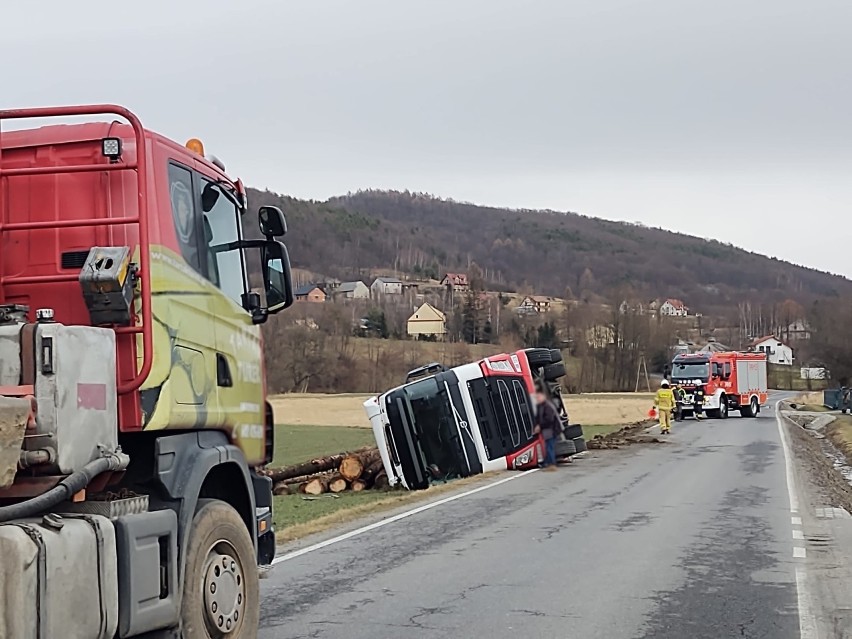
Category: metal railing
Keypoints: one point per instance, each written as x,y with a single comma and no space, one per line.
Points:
140,166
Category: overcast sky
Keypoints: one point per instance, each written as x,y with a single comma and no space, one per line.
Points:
728,119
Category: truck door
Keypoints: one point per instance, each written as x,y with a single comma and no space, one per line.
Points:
180,392
237,348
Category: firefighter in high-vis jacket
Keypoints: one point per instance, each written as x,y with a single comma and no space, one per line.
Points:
665,403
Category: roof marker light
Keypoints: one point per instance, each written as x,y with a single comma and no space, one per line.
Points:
195,145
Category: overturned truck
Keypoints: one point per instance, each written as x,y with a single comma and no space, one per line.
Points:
469,419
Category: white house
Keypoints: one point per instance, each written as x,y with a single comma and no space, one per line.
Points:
353,290
674,307
777,352
427,320
534,304
386,286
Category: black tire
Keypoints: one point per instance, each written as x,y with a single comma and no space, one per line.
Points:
554,371
538,357
219,553
573,431
751,410
555,356
565,448
580,445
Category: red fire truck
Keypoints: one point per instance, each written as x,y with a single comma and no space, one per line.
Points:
731,381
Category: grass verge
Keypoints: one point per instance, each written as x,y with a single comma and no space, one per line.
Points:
812,408
297,517
839,432
298,443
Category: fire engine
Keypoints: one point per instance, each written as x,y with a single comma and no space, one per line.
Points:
731,380
133,412
469,419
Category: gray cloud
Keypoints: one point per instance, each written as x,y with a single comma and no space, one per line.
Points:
727,119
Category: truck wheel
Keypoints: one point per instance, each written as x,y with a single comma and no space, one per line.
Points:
221,594
723,407
565,448
554,371
555,356
750,410
573,431
538,357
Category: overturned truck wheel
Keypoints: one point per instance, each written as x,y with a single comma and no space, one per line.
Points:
538,357
220,582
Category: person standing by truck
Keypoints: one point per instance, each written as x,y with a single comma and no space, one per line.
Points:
679,395
548,424
698,402
664,401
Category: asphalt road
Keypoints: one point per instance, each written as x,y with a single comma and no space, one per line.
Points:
685,540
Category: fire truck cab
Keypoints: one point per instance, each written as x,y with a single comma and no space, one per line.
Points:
731,381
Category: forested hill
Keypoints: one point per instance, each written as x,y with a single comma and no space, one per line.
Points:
542,251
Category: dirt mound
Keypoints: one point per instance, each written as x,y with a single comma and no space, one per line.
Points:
631,434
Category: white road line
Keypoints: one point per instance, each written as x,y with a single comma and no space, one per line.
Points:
395,518
807,621
788,461
798,534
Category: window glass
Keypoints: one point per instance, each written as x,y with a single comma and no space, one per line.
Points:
509,412
183,212
221,227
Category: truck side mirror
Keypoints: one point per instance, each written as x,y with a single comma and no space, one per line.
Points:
272,222
277,280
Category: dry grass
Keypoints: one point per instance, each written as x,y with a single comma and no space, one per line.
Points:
317,409
840,434
347,410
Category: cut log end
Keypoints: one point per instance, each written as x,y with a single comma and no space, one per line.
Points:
337,485
351,468
358,485
315,486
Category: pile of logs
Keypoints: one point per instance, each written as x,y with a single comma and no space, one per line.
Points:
356,470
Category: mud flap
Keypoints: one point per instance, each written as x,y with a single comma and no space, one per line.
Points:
14,414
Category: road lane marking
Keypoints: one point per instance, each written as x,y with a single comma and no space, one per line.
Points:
798,534
788,461
395,518
807,620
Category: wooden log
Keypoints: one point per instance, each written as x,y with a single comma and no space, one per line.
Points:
371,471
316,486
285,489
337,484
381,482
329,462
358,485
351,467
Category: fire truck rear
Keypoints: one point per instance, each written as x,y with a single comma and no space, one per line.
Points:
731,381
132,392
